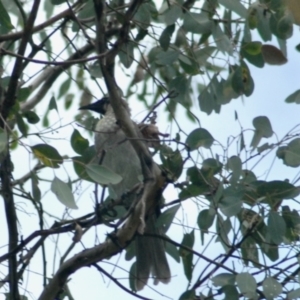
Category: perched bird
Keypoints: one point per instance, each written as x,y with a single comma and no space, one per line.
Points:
116,153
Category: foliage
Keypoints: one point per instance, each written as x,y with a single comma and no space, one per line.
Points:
57,55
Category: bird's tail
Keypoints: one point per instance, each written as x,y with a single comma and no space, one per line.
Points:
151,257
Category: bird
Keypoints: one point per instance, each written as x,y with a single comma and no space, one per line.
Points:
116,153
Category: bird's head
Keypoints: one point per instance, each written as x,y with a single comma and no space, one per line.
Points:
99,106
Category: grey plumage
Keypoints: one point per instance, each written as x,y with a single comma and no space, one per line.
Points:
122,159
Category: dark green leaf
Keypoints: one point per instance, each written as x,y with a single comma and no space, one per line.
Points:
172,162
63,193
23,94
166,36
188,295
31,117
199,137
78,142
21,125
205,219
52,104
126,54
5,18
230,292
295,97
48,155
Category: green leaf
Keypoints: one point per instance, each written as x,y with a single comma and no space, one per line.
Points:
172,14
197,23
78,142
172,250
172,162
276,227
36,192
263,124
295,294
21,125
230,206
205,219
206,101
5,18
223,279
292,153
235,164
247,285
166,36
167,57
188,295
47,155
166,218
64,88
271,288
143,16
230,292
102,175
23,94
31,117
187,256
263,21
236,6
222,40
277,189
281,24
252,48
63,193
242,82
52,104
57,2
126,54
199,137
180,86
202,55
3,140
263,128
295,97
